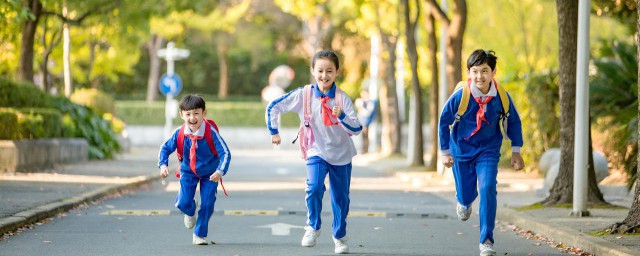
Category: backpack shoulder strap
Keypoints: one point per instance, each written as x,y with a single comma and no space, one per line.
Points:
503,98
464,102
306,102
208,135
180,143
338,98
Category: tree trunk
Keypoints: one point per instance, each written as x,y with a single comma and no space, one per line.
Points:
594,196
562,190
454,42
434,97
632,222
48,48
154,66
223,83
25,71
415,113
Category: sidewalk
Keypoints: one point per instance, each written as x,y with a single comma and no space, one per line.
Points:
26,198
516,189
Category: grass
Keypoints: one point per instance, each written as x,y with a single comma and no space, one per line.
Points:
538,206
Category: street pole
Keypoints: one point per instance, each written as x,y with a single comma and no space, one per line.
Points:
581,150
373,89
442,74
171,54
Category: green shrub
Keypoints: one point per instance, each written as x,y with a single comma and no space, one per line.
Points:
69,129
9,128
249,114
95,99
37,123
22,95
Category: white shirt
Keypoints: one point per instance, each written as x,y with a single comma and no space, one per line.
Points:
332,143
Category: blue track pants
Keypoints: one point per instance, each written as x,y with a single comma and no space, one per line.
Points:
478,176
186,203
339,181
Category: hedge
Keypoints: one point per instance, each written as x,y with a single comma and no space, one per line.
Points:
224,113
30,123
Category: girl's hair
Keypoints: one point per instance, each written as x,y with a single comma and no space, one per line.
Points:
191,102
326,54
480,56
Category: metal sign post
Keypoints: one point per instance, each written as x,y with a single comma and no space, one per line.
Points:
171,84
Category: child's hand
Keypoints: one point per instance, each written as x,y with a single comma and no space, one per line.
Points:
447,160
215,177
275,139
516,161
164,171
337,111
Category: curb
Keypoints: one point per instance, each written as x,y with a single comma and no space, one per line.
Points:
592,244
36,214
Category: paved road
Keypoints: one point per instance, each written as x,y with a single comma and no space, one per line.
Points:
264,215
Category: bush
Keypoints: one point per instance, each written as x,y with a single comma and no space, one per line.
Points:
36,123
95,99
22,95
249,114
9,128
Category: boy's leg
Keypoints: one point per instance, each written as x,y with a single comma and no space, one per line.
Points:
184,199
316,172
208,190
340,182
487,181
465,178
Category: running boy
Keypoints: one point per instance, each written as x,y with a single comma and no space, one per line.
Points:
473,144
201,163
330,119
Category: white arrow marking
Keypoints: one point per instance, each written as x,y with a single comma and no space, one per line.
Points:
280,229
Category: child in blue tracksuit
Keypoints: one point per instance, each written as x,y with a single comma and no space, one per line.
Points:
199,165
330,151
472,146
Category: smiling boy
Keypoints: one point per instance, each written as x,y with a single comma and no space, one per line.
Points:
472,144
202,163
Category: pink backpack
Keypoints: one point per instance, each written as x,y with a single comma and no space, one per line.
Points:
306,133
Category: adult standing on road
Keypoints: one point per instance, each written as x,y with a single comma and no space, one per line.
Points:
328,119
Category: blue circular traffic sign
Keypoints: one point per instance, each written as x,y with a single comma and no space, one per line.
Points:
170,84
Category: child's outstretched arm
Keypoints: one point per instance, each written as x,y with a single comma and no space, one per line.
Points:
514,132
291,101
347,116
166,150
223,154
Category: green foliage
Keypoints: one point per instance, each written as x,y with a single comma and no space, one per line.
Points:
9,128
224,113
614,101
539,116
89,125
38,115
36,123
95,99
21,94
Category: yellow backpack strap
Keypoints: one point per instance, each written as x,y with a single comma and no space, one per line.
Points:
505,100
464,102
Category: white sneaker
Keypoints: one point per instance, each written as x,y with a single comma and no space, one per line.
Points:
310,236
463,212
341,245
486,248
199,240
189,221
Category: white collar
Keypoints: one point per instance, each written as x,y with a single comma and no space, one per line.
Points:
477,93
199,132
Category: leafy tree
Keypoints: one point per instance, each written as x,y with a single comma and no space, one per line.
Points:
415,118
455,24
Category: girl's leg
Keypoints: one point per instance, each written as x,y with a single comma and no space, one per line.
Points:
184,199
316,172
487,181
208,190
340,182
465,177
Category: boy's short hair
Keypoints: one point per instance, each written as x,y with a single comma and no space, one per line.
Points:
480,56
191,102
